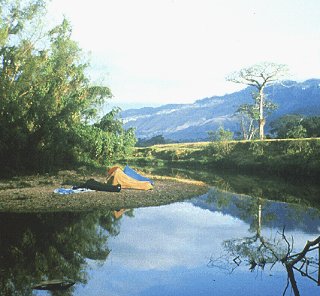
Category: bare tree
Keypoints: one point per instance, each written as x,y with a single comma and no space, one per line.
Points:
259,76
247,116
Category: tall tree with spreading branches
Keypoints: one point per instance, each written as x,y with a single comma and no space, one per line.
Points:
259,76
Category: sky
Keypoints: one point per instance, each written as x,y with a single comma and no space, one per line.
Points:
155,52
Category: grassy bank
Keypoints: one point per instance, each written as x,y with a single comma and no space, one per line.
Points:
296,157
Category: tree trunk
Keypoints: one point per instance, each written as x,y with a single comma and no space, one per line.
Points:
262,121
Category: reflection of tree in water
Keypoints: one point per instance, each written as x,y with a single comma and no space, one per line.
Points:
306,262
36,247
258,251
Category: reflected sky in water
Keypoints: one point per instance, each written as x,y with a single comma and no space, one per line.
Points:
166,250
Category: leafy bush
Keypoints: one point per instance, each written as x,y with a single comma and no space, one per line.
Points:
47,101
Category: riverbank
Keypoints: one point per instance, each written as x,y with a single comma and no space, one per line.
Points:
278,157
36,193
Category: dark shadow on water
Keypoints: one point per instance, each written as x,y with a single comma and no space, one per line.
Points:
52,246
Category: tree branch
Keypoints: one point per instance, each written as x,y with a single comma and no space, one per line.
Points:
306,249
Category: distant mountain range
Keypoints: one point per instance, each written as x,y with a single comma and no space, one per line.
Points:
191,122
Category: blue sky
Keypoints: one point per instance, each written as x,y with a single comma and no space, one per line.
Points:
154,52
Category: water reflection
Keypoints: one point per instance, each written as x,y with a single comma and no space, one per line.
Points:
254,246
258,251
274,214
37,247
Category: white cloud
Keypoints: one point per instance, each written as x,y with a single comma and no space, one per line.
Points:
186,236
169,245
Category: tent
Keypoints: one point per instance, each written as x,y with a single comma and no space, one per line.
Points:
117,177
133,174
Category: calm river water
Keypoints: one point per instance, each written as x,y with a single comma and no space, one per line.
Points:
221,243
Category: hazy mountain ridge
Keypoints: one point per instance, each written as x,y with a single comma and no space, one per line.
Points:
193,121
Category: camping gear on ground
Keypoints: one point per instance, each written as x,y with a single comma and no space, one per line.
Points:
117,176
99,186
135,175
54,285
71,190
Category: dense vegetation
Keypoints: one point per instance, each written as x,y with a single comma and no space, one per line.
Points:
296,157
296,126
156,140
47,103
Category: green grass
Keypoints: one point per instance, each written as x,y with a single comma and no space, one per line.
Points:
276,156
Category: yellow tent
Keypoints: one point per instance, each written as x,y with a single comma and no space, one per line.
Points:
117,176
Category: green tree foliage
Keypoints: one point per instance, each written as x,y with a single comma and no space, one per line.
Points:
296,126
297,132
221,135
46,100
312,125
282,125
156,140
116,142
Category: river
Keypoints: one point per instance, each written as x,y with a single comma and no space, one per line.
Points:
222,243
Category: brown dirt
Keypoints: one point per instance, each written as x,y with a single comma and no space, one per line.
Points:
35,194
